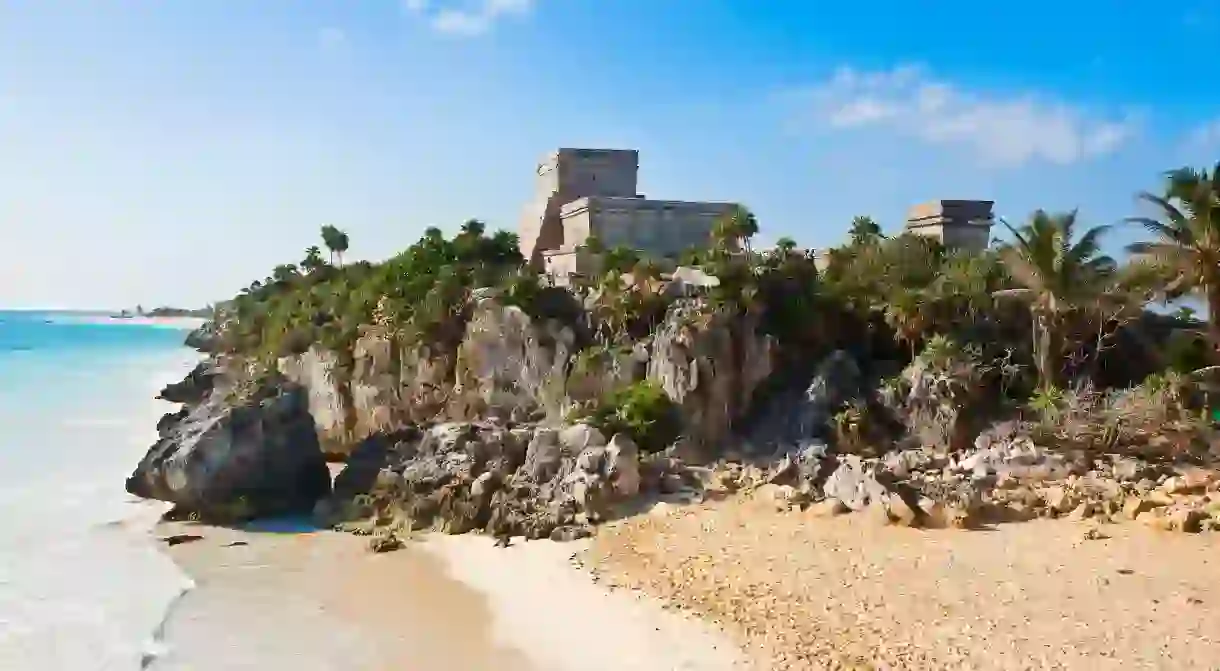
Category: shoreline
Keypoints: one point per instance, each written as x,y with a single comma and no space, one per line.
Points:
318,599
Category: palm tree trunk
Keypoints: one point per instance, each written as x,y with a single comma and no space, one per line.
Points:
1045,352
1213,319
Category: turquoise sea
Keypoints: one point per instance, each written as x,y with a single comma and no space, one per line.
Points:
81,585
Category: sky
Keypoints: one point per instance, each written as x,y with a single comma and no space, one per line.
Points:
168,151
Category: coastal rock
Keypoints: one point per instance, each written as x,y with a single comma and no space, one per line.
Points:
709,363
374,385
233,459
457,477
802,414
317,372
205,339
854,484
193,388
623,465
506,364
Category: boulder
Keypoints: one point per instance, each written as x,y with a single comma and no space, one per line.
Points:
193,388
622,465
854,484
205,339
230,459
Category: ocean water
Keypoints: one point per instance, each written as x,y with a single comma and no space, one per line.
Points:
82,586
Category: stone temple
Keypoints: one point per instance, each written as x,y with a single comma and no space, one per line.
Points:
956,224
592,192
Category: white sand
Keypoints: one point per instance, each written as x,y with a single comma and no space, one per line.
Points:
563,620
320,601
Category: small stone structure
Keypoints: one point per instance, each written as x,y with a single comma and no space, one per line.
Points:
592,192
956,224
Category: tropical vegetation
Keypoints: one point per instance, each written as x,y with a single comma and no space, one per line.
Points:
1043,312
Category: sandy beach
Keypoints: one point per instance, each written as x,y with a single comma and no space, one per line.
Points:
845,593
280,598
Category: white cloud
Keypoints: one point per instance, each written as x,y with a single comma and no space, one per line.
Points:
476,17
1002,130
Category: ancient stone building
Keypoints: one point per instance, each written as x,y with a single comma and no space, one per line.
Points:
957,224
592,192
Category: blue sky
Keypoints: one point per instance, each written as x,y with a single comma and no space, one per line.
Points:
170,151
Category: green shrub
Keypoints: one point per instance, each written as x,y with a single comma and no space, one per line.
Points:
643,411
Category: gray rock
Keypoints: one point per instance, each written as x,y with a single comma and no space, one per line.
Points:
622,465
802,415
227,459
543,455
577,437
854,484
709,362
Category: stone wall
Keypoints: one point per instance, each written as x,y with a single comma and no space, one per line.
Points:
654,227
957,224
567,175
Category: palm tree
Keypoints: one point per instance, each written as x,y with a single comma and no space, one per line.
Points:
864,231
474,228
1187,248
312,260
1059,274
336,241
734,229
284,273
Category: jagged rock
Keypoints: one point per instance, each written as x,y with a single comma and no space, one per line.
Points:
902,463
1060,499
385,543
205,339
709,363
543,456
317,371
194,388
853,484
578,437
1129,469
801,415
230,459
1018,457
623,465
506,364
1186,519
374,384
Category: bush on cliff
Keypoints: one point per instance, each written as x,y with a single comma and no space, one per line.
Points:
642,410
420,293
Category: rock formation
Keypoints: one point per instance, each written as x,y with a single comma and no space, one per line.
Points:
229,458
492,432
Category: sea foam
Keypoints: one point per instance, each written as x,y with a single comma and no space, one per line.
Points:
81,584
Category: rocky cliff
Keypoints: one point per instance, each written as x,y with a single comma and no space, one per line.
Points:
500,432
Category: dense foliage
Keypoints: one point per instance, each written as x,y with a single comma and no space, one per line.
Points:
1047,307
419,295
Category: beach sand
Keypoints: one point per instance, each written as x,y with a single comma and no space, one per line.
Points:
320,600
848,593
